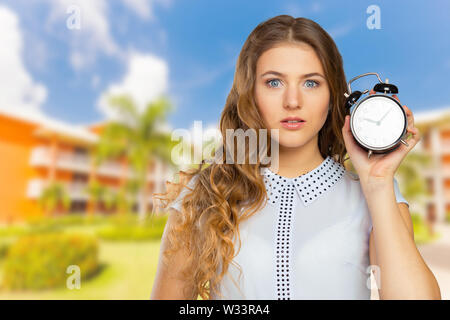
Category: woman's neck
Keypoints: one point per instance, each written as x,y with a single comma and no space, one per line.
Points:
294,162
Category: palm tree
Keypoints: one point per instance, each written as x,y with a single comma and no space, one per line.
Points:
97,193
53,195
110,198
137,138
411,174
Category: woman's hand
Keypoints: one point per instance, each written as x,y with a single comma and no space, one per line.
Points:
380,167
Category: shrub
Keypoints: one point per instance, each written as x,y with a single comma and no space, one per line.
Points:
14,230
422,233
51,224
41,261
66,220
129,229
3,249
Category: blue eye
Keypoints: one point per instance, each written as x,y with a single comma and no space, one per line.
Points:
315,82
272,80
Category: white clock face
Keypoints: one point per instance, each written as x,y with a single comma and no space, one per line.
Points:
378,122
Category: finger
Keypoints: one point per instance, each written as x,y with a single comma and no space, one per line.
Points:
346,132
372,91
414,131
346,128
414,138
395,97
353,150
410,116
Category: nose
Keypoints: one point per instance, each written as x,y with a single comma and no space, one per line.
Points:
292,97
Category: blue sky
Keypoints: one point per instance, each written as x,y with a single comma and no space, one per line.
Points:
188,50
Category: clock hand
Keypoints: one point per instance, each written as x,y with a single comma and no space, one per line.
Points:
370,120
379,121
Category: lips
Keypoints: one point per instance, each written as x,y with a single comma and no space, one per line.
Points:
293,120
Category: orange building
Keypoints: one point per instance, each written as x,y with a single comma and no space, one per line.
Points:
434,126
36,150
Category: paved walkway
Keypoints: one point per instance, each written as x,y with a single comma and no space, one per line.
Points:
437,257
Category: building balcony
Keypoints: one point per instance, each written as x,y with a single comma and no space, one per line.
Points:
75,190
441,147
41,157
445,147
444,172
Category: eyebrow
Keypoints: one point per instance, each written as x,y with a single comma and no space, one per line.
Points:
282,75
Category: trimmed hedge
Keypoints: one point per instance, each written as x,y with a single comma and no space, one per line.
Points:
129,229
67,220
41,261
13,231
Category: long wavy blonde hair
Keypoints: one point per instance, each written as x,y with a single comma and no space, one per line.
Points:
225,194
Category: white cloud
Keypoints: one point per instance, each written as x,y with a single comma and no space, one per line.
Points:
292,9
144,8
39,57
202,75
146,78
295,10
92,37
316,7
140,7
340,31
19,92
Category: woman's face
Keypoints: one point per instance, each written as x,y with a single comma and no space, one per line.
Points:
290,82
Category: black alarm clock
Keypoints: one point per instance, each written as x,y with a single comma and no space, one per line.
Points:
378,121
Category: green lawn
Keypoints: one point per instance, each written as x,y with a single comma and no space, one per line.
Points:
128,270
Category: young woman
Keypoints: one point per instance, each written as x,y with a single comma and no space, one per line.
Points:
311,229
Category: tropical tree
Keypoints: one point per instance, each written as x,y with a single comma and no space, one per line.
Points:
411,172
53,195
110,198
136,137
100,193
414,185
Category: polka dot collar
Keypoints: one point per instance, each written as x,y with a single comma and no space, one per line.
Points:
310,186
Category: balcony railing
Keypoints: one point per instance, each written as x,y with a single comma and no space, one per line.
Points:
444,172
41,157
75,190
445,147
442,146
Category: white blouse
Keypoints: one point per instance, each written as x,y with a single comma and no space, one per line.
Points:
311,240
